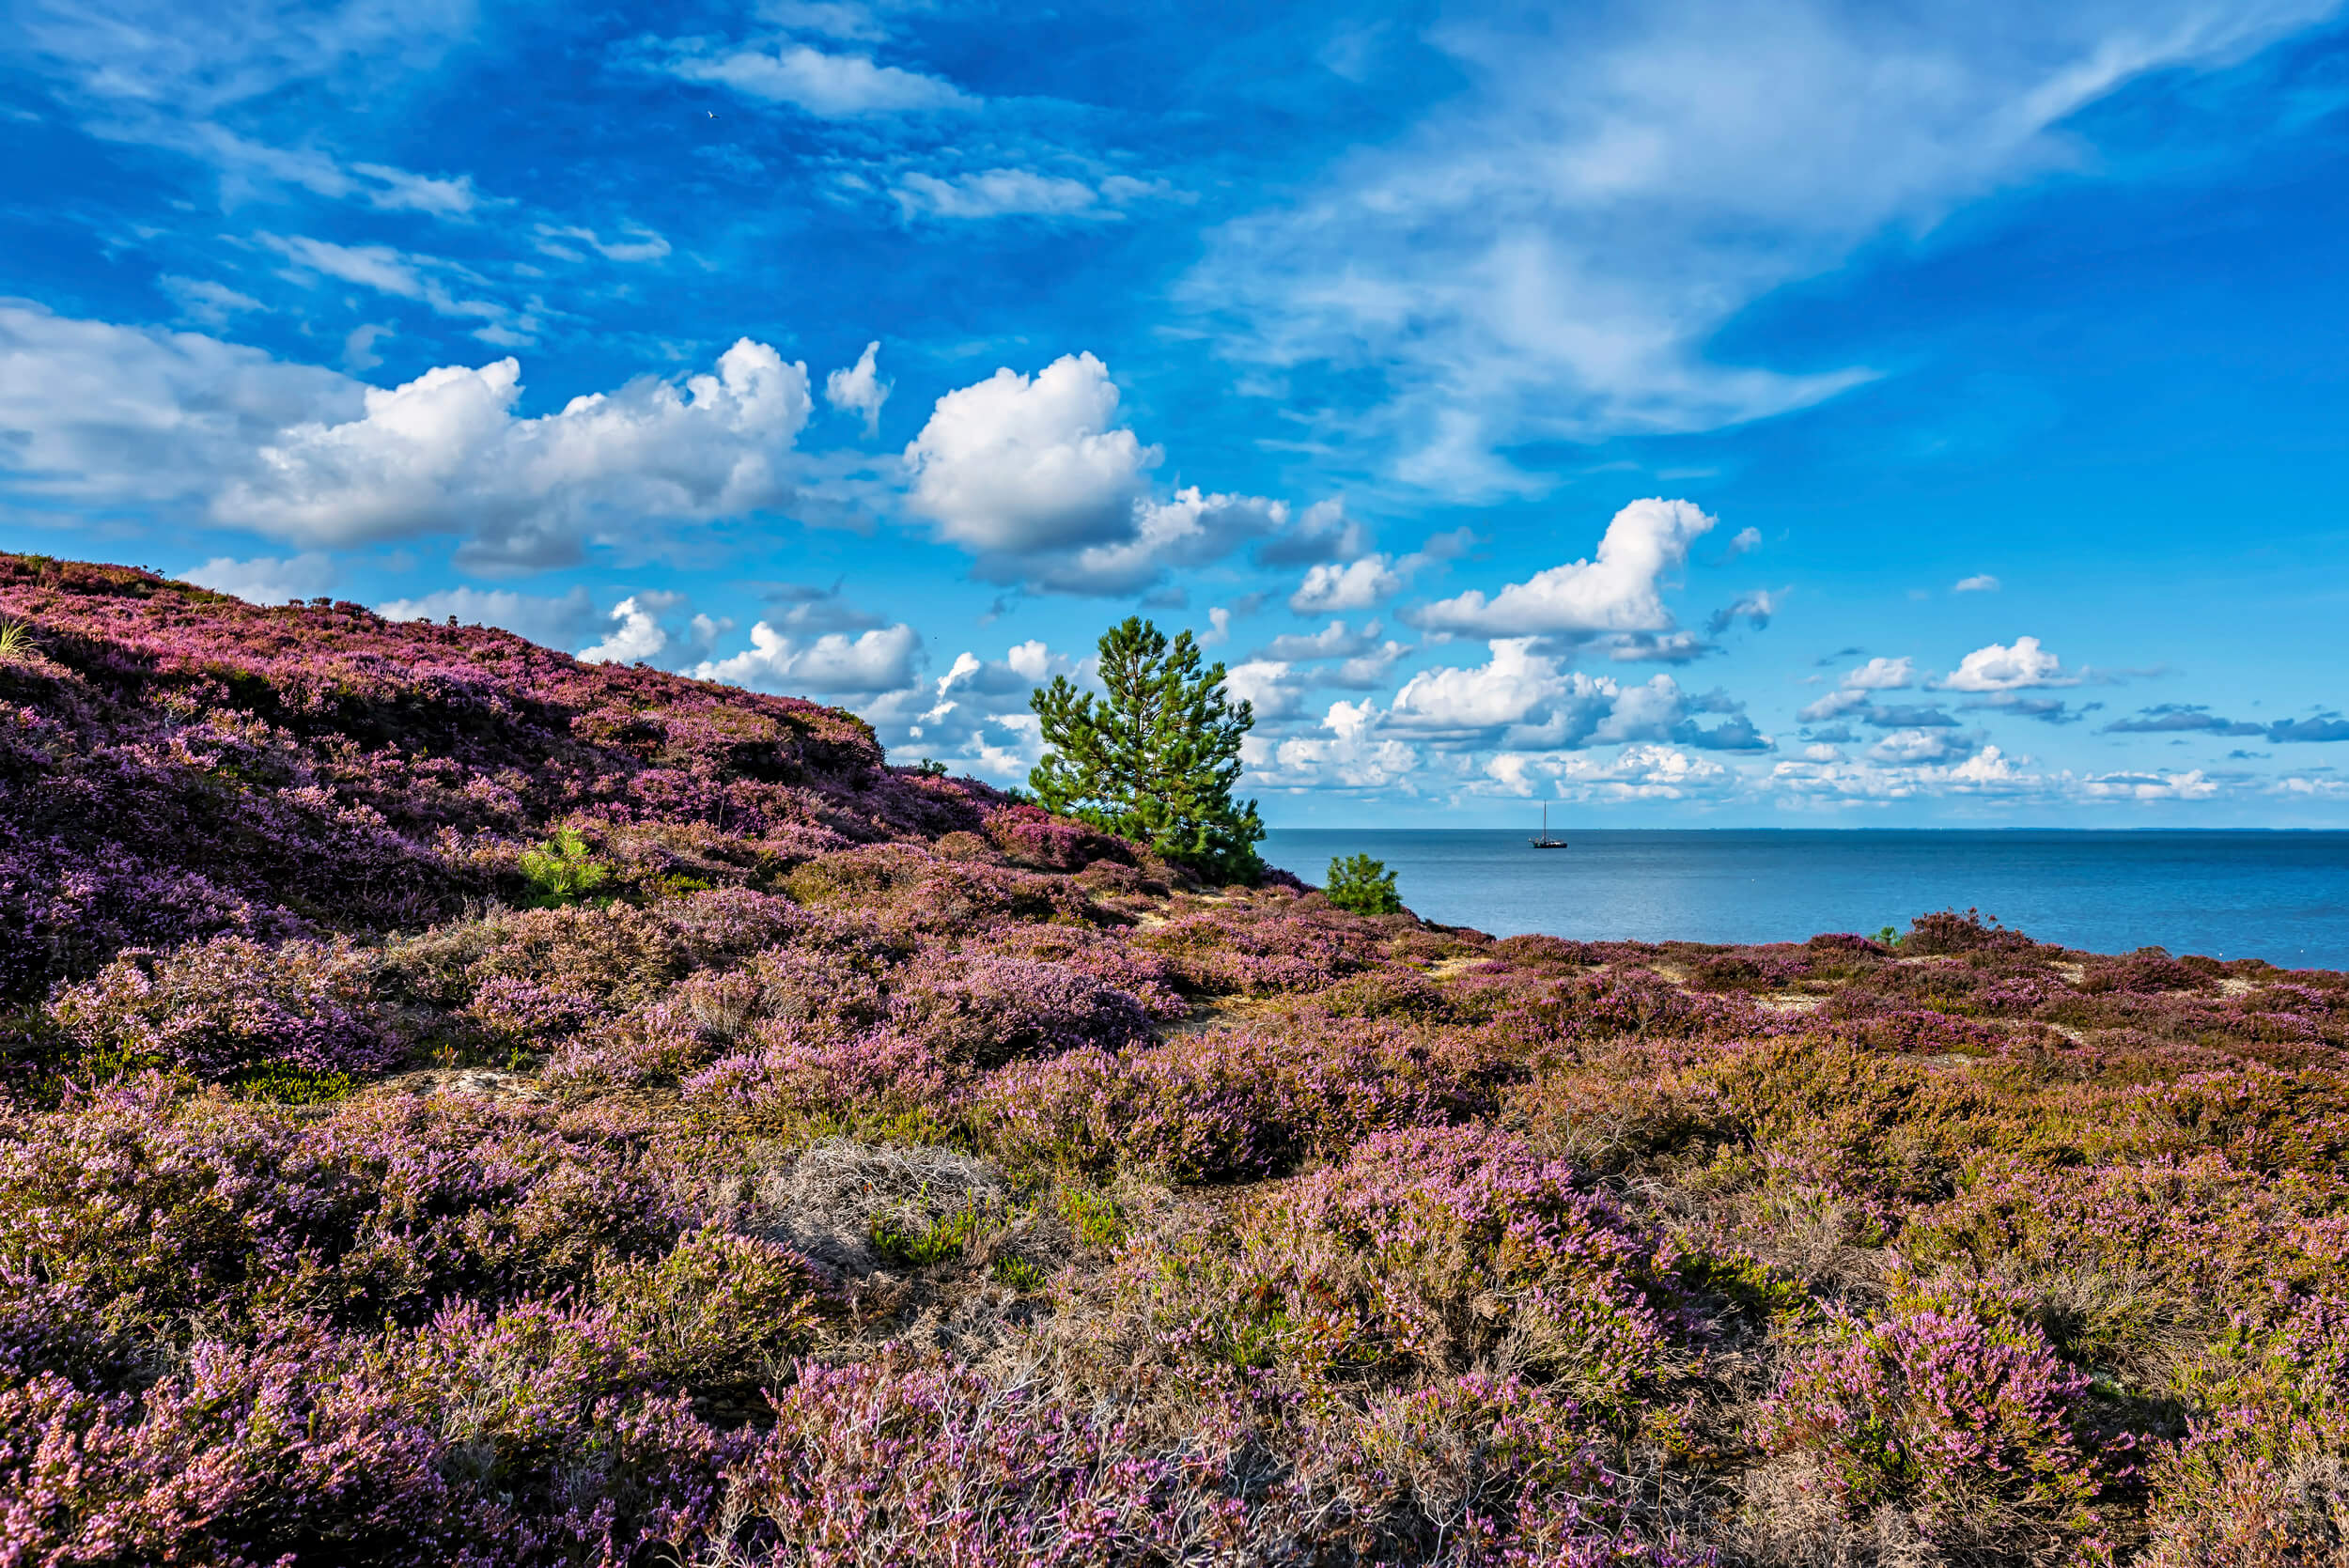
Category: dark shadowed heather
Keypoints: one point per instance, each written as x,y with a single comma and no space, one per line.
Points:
465,1105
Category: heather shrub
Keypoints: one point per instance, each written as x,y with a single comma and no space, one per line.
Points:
723,923
2135,1258
658,1045
2262,1118
1038,838
1949,983
2148,969
1872,1024
991,1010
2262,1477
794,995
1750,969
872,1463
554,1411
1222,1104
1445,1250
720,1313
1948,931
914,891
1229,949
899,1462
157,1204
236,1454
1620,1110
792,1083
1979,1429
960,845
1471,1470
1551,954
1410,943
527,1014
1616,1004
230,1004
1855,1118
615,955
1149,977
1387,993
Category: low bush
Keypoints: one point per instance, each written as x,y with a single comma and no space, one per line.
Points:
1977,1429
1437,1250
230,1004
1361,885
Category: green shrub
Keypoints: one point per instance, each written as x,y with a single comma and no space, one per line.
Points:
1095,1217
940,1241
1359,883
561,870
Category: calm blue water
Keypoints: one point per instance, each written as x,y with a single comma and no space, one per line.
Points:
2279,896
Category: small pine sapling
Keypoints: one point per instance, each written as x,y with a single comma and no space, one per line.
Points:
562,870
1363,885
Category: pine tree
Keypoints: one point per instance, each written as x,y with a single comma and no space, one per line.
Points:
1155,758
1361,884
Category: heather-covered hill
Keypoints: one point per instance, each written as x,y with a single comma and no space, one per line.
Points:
175,762
464,1106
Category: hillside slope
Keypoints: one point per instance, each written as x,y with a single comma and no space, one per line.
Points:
175,762
465,1105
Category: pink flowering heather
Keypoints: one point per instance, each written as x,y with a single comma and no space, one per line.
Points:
1036,837
789,1079
2249,1485
229,1002
1426,1250
1937,1411
993,1010
1224,1103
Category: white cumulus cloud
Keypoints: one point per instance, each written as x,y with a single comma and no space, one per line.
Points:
1618,591
1034,476
1021,193
835,664
445,454
1642,772
99,414
1015,464
1190,530
2001,668
1351,753
636,639
1352,585
192,428
1882,674
2154,786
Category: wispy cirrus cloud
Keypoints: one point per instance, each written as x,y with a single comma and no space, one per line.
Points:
1551,253
827,83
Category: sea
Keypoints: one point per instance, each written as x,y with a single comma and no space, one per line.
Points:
2283,897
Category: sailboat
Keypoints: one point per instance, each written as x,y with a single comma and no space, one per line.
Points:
1546,842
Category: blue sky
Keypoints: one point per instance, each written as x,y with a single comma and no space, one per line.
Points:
1691,412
